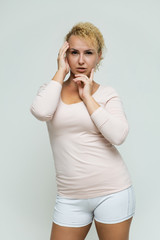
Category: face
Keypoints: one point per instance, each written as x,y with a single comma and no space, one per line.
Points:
81,56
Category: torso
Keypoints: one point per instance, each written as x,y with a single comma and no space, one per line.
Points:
69,96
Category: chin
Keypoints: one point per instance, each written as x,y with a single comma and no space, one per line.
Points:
74,71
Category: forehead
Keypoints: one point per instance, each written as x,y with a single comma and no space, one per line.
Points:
80,43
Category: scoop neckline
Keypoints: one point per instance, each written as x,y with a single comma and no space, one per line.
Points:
80,101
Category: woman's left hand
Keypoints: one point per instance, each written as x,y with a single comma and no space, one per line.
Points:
85,84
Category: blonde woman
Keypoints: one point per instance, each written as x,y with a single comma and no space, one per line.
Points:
85,121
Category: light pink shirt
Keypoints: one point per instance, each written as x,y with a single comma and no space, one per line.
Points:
86,161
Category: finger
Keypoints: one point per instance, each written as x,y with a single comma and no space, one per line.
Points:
65,45
66,61
80,79
81,75
60,50
92,74
64,50
62,55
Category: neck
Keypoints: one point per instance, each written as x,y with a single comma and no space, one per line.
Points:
70,83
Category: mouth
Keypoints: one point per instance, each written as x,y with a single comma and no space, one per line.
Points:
81,69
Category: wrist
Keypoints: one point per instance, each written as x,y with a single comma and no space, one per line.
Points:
59,76
87,98
62,71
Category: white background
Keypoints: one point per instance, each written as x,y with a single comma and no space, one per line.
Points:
31,34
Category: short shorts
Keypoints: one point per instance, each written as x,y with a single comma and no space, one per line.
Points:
109,209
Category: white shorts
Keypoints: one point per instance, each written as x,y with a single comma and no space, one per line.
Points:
112,208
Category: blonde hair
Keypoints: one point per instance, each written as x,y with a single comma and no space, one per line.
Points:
90,33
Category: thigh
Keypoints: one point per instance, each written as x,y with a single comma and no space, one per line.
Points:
69,233
117,231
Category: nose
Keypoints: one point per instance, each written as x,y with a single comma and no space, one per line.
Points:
81,59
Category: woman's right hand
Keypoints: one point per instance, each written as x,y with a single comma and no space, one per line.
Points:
62,59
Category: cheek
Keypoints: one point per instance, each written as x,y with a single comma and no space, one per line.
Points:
70,59
94,62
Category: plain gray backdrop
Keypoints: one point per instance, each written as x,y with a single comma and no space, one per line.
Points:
31,34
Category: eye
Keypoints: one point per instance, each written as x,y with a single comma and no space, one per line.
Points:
88,52
74,52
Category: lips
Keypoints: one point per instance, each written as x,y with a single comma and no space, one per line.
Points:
81,69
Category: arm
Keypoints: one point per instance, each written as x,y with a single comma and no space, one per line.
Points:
45,103
110,119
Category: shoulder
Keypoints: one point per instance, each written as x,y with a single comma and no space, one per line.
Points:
107,92
50,83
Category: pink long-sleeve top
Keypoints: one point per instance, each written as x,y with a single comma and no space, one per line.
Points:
86,161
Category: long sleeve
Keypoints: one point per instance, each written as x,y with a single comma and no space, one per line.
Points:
86,164
111,120
46,100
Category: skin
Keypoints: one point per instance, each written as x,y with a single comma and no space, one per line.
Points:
81,54
81,86
78,85
117,231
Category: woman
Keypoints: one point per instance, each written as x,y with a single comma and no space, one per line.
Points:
85,120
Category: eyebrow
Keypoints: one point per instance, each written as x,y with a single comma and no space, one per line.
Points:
85,50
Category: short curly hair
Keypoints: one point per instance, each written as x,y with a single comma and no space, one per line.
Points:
91,33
